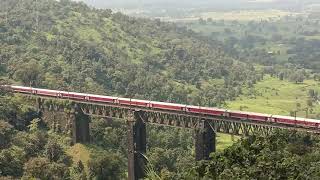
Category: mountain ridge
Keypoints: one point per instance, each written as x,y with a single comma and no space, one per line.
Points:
223,5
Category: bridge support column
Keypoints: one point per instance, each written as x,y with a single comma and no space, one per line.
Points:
205,141
39,106
80,126
136,129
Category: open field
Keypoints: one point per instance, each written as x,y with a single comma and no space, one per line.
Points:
224,141
278,97
241,15
246,15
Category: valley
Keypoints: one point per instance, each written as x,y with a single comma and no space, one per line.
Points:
249,56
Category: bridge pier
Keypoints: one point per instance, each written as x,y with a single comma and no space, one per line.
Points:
136,131
80,126
205,141
39,106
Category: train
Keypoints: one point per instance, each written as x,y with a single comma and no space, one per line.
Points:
154,105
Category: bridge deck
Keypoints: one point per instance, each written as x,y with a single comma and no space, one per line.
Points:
178,115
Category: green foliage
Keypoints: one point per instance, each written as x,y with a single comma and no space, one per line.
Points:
77,171
105,165
42,168
6,133
16,112
271,42
281,155
163,159
11,161
24,155
29,73
274,96
109,134
169,152
34,125
33,144
69,46
55,152
151,174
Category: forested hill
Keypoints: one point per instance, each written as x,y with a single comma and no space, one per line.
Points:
67,45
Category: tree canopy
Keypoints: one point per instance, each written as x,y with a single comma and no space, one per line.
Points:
69,46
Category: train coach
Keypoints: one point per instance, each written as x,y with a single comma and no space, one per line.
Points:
205,110
241,115
249,115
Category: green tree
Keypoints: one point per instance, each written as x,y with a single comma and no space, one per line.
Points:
42,168
105,165
29,73
34,125
281,155
6,133
11,162
53,150
77,171
32,143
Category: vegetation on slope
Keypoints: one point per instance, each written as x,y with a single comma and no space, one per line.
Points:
285,52
281,155
284,49
274,96
67,45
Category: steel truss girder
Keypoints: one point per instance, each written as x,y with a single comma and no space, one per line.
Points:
221,125
240,128
174,119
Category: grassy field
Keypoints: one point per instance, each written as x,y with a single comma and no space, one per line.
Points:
224,141
240,15
248,15
278,97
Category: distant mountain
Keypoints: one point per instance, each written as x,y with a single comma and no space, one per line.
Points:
216,4
157,3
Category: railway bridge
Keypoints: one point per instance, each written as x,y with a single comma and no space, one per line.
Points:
206,122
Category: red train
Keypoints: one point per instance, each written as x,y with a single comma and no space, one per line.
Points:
293,121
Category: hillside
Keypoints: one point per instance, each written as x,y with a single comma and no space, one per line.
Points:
67,45
70,46
274,96
285,49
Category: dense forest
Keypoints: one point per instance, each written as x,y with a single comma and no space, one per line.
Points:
282,155
69,46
